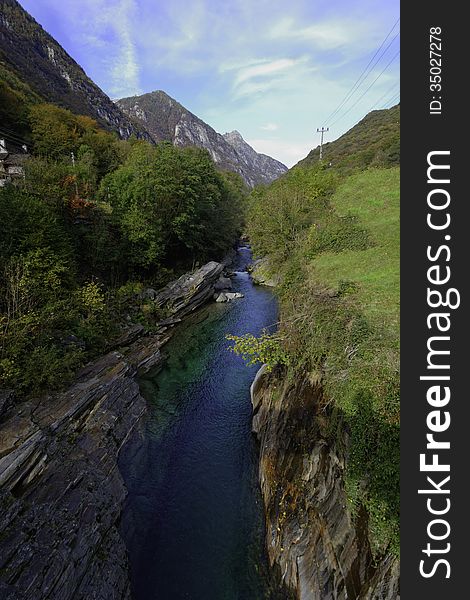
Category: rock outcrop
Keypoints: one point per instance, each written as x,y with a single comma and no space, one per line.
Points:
61,492
262,273
166,119
191,290
227,296
318,549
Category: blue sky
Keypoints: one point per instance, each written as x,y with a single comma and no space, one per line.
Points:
272,70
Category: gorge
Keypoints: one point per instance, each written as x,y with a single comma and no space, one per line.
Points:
193,498
135,462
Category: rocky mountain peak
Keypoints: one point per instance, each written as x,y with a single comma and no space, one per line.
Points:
234,136
166,119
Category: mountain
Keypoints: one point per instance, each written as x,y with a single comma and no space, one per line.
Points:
166,119
374,141
261,162
36,67
29,53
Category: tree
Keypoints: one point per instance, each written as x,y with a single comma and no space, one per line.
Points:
172,203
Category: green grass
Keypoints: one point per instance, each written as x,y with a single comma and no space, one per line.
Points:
334,238
374,141
356,327
372,197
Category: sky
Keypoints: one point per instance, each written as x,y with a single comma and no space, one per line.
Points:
273,70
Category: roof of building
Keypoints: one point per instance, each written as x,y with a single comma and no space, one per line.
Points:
14,160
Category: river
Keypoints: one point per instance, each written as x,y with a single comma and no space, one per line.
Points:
193,519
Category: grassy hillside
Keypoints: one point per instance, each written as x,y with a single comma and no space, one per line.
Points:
374,141
332,233
372,197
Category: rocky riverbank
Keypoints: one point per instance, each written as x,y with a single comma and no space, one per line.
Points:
61,492
315,545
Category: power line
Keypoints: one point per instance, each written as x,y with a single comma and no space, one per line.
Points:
384,96
359,82
392,100
8,130
367,89
366,72
13,138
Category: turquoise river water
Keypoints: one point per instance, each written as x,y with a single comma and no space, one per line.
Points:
193,520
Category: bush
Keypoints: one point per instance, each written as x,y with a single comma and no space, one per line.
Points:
266,349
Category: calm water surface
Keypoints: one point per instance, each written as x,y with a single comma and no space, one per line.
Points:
193,522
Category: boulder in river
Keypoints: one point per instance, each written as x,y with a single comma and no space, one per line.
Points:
223,283
190,291
227,296
261,273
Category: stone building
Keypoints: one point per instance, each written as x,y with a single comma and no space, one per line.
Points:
11,163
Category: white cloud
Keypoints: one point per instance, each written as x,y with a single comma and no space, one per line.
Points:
287,151
326,35
267,75
263,68
269,127
125,69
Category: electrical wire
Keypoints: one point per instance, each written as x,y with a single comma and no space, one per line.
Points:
392,101
366,71
13,138
366,90
387,93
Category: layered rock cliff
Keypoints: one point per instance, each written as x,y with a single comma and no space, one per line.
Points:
166,119
317,547
61,492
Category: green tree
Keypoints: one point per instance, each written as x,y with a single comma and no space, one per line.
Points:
171,203
55,131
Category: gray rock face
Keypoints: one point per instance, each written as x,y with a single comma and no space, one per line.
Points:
227,296
61,492
168,120
224,283
253,159
262,273
191,290
312,540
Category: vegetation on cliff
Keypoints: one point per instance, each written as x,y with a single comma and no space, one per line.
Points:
374,141
93,222
333,235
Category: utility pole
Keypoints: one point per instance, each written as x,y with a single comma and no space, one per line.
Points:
322,131
75,176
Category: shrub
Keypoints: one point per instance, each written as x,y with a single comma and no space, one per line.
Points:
266,349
